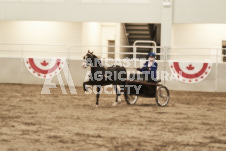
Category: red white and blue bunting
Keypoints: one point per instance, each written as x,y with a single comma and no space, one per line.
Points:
44,67
190,72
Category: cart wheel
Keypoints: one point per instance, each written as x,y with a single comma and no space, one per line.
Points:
162,96
130,98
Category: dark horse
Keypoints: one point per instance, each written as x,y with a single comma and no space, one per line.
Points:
101,76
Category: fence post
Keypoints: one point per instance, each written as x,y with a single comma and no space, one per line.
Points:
134,56
21,63
165,59
68,64
216,66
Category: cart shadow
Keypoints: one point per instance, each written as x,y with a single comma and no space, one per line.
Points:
146,105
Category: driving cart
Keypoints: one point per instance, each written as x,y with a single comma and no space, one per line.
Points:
146,89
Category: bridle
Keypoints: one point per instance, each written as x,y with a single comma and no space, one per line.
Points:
85,62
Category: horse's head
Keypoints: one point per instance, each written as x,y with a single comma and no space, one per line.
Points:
87,59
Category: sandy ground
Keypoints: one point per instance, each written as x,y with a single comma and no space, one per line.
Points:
31,121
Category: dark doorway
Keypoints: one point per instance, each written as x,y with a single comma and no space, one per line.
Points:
224,50
111,49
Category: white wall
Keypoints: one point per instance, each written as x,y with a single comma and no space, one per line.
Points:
40,32
109,31
91,36
199,36
114,31
98,34
123,40
74,10
199,11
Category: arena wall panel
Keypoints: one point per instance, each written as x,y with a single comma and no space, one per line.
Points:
199,11
10,70
15,71
221,82
76,11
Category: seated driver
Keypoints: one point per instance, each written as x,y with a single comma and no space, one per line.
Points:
150,68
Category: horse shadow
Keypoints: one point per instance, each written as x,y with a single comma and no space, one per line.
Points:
146,105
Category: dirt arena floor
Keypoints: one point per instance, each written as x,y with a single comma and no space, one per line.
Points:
30,121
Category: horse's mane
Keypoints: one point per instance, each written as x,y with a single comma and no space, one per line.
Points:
98,60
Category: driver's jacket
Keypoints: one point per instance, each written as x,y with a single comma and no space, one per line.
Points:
151,71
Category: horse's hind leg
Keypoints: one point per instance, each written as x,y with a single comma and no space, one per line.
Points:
118,99
84,86
98,95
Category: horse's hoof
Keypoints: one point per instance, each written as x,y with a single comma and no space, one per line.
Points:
119,100
95,106
85,89
115,104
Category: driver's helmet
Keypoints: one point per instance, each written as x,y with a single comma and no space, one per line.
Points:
151,54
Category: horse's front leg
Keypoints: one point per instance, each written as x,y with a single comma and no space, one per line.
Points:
98,94
84,86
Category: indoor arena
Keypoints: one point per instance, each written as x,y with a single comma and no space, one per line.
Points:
118,75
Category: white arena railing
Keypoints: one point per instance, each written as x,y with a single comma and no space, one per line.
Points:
76,52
